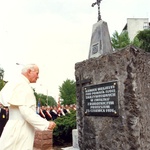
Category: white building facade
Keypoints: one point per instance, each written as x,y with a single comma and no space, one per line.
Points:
134,25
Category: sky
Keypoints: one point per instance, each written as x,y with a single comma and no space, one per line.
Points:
56,34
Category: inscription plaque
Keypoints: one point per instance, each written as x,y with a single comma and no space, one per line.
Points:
95,48
101,99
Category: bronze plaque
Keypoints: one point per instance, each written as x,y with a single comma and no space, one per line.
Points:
101,99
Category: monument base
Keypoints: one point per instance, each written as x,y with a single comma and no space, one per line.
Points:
75,141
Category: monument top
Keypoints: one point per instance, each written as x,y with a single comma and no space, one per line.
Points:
98,3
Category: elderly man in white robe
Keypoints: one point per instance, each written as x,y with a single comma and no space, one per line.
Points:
18,95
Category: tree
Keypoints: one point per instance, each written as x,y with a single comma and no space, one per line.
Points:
136,42
2,83
141,40
45,100
120,41
68,92
1,73
144,38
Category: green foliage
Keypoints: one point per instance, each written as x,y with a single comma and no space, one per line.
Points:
63,132
68,92
144,38
120,41
1,73
141,40
2,83
45,100
136,42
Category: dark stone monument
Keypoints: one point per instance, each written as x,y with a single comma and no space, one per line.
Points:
113,101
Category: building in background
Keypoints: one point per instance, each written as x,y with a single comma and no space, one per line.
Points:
134,25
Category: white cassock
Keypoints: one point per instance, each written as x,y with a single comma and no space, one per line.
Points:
18,133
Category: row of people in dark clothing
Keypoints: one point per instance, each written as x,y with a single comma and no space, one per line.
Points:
47,112
4,115
51,113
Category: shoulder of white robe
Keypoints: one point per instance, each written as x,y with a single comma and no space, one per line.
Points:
2,101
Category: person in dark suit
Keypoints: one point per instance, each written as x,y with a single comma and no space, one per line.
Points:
7,114
2,118
47,114
42,112
54,113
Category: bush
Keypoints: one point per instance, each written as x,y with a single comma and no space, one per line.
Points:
62,134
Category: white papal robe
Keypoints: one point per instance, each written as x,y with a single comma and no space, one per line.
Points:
18,133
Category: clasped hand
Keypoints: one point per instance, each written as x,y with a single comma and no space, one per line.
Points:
52,125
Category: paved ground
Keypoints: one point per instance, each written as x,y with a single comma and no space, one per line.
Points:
57,148
65,148
60,147
70,148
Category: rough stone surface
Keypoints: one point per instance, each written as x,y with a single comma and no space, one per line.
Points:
43,140
131,130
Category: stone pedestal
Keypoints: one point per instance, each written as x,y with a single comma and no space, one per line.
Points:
43,140
130,129
75,138
100,40
75,145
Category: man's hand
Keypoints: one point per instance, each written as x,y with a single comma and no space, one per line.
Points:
52,125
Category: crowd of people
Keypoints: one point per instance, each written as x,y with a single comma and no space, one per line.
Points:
52,112
47,112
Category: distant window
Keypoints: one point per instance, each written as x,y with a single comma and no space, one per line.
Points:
145,25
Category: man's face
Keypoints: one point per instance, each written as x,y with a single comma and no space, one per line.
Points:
33,74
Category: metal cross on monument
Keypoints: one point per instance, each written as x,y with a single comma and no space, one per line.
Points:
98,3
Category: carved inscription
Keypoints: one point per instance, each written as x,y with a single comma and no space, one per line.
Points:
95,48
101,99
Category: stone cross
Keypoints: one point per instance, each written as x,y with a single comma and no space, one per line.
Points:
81,82
98,3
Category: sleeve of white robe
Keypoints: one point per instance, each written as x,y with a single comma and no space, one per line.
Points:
33,119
